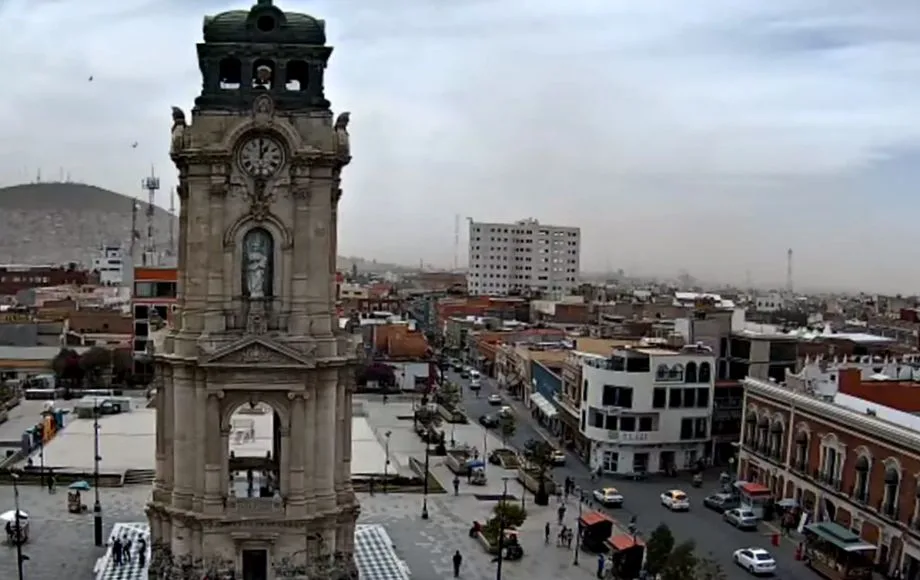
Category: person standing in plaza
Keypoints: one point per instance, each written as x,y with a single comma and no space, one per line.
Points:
458,560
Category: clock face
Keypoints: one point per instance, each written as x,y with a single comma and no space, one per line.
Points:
261,156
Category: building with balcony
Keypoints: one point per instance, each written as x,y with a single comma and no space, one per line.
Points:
647,409
850,461
153,303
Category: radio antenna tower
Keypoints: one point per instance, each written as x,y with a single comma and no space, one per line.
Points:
152,185
456,241
135,235
172,219
789,287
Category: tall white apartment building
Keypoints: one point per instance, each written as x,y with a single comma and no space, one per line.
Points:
525,255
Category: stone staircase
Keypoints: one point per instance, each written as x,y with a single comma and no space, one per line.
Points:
139,477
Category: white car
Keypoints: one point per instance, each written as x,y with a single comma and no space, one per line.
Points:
609,497
495,400
675,500
755,560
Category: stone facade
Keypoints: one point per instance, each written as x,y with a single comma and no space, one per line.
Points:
255,326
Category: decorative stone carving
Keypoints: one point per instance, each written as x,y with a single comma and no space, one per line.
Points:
177,141
342,143
263,107
256,321
260,200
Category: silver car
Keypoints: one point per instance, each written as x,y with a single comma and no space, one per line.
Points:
741,518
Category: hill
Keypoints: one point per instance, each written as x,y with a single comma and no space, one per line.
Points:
57,223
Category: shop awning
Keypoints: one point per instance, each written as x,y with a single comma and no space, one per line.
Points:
546,407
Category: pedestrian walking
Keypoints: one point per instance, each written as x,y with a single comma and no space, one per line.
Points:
561,513
456,485
117,551
546,531
458,560
601,562
141,552
52,482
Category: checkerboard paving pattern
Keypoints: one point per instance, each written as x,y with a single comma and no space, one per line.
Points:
130,570
375,557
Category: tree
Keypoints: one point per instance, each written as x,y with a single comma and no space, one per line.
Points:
507,427
122,366
67,370
96,362
709,568
681,563
539,454
448,395
657,549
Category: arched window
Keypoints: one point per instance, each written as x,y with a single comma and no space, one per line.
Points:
750,428
801,451
861,485
892,488
258,264
776,438
676,373
297,75
263,74
661,373
230,73
763,430
705,374
690,374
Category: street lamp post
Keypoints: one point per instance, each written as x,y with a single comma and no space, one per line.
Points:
386,463
17,530
453,442
97,505
581,500
41,451
425,488
501,530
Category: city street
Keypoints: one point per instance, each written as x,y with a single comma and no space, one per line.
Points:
705,527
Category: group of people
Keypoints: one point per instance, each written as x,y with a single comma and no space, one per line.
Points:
563,538
122,552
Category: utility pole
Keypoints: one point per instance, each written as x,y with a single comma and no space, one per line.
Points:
425,488
97,505
18,537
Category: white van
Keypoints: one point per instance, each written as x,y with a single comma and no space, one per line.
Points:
475,379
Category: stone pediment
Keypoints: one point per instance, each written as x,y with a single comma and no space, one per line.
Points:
258,351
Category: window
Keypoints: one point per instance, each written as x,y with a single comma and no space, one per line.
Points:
645,424
597,418
702,398
617,396
686,429
584,391
144,290
609,398
674,398
610,423
659,398
700,428
661,373
584,418
690,374
689,398
705,373
627,423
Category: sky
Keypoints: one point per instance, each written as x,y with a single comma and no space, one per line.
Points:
707,136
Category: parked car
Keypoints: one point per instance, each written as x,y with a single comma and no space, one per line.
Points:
457,366
609,497
755,560
558,457
721,502
506,411
741,518
464,374
495,400
675,500
488,421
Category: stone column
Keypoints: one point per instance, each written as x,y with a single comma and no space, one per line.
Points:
284,462
167,410
160,438
325,440
215,482
295,490
340,475
309,441
347,428
214,318
201,440
184,456
299,284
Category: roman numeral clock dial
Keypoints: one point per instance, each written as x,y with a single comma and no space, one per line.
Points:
261,157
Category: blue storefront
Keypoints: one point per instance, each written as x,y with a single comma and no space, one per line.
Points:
546,385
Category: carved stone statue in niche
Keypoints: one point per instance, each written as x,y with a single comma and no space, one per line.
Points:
342,144
177,141
257,264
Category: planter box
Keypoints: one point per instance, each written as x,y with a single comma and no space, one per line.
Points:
456,462
452,416
530,481
486,545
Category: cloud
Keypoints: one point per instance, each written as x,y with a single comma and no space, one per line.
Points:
708,136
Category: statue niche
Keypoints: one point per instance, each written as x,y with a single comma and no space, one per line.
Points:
258,264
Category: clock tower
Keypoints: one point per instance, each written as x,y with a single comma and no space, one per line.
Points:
259,165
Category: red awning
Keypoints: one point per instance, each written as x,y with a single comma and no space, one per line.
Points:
624,542
752,488
591,518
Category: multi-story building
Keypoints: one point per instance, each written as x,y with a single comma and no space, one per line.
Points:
647,409
17,277
109,266
525,256
850,461
154,302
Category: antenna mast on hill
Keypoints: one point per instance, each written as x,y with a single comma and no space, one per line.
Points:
789,286
135,235
172,226
152,185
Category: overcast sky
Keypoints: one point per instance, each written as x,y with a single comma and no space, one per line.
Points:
704,136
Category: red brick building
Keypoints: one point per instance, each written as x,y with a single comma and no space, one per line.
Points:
841,463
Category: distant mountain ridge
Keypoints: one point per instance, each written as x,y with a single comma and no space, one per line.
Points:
61,222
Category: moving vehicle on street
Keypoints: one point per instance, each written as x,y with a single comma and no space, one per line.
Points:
721,502
837,553
757,561
475,380
558,457
676,500
464,373
495,400
489,421
608,497
741,518
506,411
457,366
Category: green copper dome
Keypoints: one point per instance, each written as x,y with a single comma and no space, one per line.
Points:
264,22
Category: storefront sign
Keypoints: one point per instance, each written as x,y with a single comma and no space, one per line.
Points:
627,436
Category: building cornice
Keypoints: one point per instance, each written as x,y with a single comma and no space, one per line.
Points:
887,430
